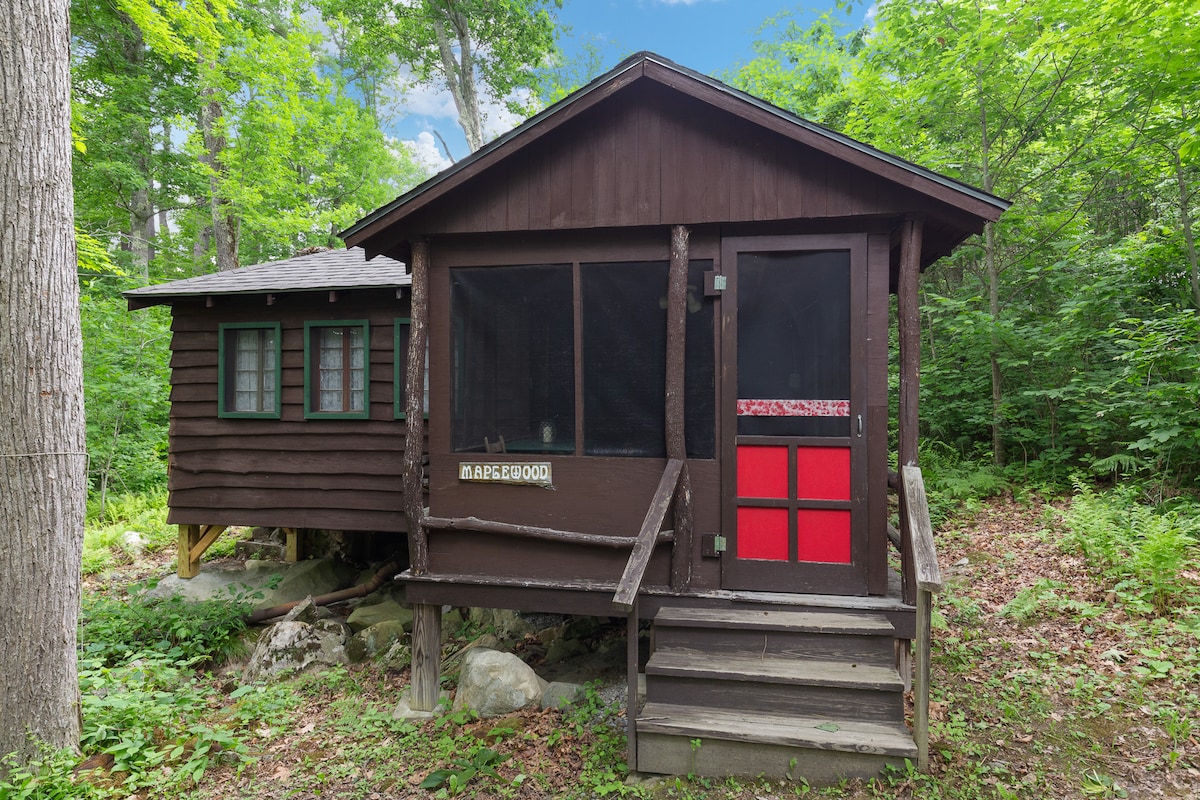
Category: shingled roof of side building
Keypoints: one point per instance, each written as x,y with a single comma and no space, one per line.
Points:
324,270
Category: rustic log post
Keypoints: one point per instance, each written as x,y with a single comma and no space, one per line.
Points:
909,323
414,382
426,656
681,553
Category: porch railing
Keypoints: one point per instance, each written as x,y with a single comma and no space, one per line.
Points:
918,534
626,597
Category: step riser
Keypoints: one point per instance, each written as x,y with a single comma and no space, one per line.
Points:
864,704
876,650
677,755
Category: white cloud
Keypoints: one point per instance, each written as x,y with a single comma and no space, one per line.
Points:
425,151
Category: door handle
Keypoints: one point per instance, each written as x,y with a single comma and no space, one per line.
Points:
860,429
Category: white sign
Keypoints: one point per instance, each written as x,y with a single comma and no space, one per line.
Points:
526,473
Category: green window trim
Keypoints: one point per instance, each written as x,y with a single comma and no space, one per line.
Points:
400,354
312,410
226,367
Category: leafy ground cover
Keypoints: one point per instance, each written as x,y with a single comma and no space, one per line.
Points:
1067,656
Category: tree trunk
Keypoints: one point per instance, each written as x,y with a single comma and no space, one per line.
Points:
460,74
993,281
1185,221
141,210
224,223
993,278
42,460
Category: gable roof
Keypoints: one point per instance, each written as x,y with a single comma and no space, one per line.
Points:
327,270
371,231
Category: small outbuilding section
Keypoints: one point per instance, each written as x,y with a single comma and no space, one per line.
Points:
285,406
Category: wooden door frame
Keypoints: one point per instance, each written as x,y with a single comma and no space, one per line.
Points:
822,574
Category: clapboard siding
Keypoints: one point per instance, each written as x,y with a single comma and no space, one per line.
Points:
289,472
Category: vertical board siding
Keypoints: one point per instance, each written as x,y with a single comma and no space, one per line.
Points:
290,472
654,157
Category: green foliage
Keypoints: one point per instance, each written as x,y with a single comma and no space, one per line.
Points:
113,629
103,536
482,762
604,768
1047,599
150,714
49,776
125,377
1142,552
1069,328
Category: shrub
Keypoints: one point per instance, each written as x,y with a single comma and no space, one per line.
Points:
1142,551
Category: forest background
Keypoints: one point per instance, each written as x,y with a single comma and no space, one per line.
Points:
1063,341
1060,347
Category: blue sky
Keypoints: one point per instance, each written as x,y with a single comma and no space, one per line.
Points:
710,36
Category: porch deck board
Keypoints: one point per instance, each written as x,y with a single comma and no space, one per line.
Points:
818,733
776,670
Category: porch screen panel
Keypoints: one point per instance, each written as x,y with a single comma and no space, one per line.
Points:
794,343
624,360
513,360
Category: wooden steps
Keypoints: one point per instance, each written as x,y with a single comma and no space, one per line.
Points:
788,694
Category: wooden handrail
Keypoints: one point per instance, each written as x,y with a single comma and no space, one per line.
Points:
929,582
631,580
534,532
929,576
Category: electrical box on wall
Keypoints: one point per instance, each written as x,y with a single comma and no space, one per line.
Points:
712,545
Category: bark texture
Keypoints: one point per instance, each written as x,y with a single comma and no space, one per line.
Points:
460,71
42,461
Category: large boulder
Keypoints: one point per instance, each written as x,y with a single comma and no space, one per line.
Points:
494,683
263,583
308,637
370,642
366,616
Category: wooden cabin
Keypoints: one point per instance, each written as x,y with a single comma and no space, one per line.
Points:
656,318
285,407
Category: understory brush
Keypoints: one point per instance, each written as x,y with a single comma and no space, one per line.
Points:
1148,556
106,536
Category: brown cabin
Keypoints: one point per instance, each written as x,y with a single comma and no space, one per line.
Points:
656,317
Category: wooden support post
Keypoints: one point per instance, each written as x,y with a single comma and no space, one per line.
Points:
909,323
189,536
292,552
426,656
193,541
414,440
681,553
631,695
921,689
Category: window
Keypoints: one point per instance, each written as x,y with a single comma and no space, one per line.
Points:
515,351
403,325
625,360
248,376
336,369
513,358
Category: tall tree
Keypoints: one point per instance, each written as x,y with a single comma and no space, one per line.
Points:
1057,105
497,46
42,460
